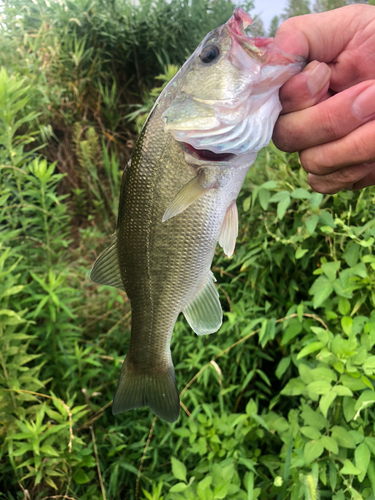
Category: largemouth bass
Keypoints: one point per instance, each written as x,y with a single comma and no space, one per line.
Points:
178,199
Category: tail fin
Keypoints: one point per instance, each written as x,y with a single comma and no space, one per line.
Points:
157,391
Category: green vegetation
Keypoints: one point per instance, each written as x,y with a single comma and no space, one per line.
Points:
279,403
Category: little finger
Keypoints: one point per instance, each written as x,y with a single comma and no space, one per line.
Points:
356,148
350,178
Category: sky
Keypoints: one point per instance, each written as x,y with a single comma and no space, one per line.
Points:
267,9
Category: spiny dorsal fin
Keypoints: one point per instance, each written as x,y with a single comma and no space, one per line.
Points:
204,313
106,270
229,230
185,197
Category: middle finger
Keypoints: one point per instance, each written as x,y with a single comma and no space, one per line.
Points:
327,121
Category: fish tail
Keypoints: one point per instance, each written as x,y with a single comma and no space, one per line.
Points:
158,391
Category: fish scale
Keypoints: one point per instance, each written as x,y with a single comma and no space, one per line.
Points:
177,201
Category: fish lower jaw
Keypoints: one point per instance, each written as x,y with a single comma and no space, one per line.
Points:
206,155
201,158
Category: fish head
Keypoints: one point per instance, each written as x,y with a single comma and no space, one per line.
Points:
224,101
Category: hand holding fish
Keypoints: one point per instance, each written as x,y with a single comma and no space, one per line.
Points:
329,109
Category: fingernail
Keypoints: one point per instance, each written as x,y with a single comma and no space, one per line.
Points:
318,78
364,104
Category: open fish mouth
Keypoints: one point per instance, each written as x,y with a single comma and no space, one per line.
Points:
207,154
228,103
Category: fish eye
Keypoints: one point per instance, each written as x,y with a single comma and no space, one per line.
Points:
209,53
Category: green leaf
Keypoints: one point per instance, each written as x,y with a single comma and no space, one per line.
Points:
300,312
313,347
282,367
80,477
48,450
326,219
203,488
221,490
359,270
311,223
280,196
322,334
300,194
313,418
366,399
246,204
300,252
292,331
367,243
177,488
333,476
321,289
348,408
362,459
342,437
347,325
282,207
344,306
319,387
370,441
349,468
341,390
330,444
330,269
310,432
315,200
178,469
268,185
369,365
294,387
313,450
325,402
327,229
264,197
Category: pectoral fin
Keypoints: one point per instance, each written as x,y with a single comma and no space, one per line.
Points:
190,193
106,270
229,230
204,313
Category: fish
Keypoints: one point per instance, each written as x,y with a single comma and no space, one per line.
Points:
178,199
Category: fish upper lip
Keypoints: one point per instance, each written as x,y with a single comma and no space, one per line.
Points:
241,20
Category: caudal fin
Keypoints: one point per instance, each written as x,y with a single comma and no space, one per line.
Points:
157,391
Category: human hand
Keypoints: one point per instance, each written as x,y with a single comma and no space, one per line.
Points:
328,111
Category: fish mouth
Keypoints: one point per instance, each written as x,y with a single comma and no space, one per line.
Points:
207,154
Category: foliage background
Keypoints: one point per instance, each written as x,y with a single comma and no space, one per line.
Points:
279,403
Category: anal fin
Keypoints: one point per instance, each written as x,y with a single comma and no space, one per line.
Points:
229,230
106,270
190,193
204,313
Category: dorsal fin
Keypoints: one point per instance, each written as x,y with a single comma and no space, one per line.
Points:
106,270
204,313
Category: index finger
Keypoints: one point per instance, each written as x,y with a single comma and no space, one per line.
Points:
319,36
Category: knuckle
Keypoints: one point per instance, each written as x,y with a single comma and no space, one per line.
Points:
287,26
282,136
330,124
308,163
360,149
322,185
347,175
